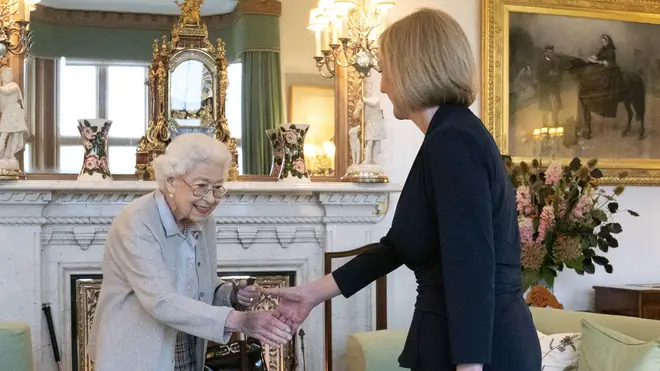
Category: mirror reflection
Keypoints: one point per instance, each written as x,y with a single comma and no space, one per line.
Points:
92,69
191,94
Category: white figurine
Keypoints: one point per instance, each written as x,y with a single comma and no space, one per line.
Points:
13,127
374,124
354,143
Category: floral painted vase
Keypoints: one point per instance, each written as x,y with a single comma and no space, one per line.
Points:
94,133
293,139
278,151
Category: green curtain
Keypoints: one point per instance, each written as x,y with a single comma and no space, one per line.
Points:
261,108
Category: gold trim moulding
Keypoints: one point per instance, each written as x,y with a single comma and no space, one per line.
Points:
365,177
11,174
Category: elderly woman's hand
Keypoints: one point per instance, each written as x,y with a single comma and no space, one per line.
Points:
248,296
260,325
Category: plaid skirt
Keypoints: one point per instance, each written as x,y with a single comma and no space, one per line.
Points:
184,353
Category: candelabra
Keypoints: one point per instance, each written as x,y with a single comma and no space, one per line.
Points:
14,33
547,137
346,33
348,28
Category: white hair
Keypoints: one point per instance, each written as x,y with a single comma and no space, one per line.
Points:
187,151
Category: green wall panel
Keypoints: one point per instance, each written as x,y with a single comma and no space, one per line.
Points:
250,32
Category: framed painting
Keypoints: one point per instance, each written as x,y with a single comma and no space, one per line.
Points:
579,78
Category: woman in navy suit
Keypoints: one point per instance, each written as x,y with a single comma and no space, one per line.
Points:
455,224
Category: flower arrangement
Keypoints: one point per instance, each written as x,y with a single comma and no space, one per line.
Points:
565,220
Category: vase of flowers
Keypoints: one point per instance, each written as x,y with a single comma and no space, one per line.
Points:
292,137
277,145
94,133
565,219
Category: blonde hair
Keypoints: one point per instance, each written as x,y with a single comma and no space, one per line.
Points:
428,59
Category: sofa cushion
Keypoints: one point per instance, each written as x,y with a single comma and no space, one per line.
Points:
560,351
604,349
375,350
15,347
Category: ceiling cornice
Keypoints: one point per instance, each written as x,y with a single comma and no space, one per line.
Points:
126,20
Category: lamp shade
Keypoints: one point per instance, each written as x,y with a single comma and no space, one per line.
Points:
317,20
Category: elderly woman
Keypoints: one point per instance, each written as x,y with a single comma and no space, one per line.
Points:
455,224
161,297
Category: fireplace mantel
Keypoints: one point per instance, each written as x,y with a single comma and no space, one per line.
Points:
51,231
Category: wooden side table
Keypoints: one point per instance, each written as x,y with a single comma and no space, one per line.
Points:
642,300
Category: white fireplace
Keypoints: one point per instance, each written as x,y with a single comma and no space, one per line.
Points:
53,231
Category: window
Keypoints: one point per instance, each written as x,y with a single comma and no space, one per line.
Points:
113,91
233,105
118,92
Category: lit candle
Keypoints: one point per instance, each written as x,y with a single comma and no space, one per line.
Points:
325,40
317,37
337,31
329,149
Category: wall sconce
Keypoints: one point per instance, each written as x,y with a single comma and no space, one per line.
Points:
14,33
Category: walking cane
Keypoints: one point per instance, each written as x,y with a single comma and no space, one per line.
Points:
53,339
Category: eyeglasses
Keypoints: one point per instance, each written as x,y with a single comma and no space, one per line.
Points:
219,192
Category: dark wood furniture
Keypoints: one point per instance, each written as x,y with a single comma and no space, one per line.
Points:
381,301
642,301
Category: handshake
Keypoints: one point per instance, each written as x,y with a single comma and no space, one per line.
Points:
276,327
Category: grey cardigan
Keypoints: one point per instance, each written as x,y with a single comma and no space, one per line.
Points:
139,311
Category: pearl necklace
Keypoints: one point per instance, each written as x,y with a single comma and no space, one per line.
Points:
185,229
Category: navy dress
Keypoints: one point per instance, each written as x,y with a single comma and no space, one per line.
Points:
456,227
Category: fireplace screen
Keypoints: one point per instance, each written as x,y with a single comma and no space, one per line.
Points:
85,291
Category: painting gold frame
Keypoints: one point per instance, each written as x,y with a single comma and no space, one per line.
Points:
495,69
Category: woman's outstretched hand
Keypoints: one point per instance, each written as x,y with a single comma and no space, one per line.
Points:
260,325
294,305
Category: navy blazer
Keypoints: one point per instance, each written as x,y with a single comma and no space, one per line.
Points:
456,227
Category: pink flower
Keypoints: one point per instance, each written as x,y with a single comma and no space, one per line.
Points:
546,222
299,166
291,137
523,200
526,228
553,173
562,207
92,161
584,205
86,132
103,164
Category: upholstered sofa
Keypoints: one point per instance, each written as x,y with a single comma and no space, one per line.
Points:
15,347
379,350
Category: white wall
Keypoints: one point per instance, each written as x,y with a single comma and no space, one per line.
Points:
635,261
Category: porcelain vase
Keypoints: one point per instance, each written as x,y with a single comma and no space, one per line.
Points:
278,151
293,140
94,133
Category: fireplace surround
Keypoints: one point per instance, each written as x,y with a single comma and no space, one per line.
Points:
53,233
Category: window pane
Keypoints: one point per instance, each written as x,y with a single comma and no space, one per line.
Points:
122,159
234,99
127,101
77,97
71,159
239,150
27,158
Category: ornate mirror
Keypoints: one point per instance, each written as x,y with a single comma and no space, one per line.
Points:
191,91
